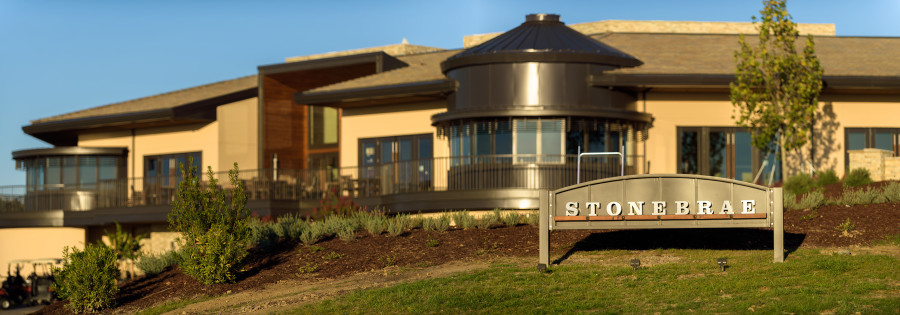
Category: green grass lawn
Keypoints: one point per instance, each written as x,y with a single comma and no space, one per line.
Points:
672,281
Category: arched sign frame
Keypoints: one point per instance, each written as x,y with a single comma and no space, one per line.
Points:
661,201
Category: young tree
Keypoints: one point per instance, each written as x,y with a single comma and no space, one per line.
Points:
214,231
776,89
126,246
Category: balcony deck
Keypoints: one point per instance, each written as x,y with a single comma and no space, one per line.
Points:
483,182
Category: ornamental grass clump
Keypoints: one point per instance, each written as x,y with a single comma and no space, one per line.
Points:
811,200
463,220
214,229
892,192
488,220
862,196
533,218
155,264
375,222
87,278
512,219
397,225
314,232
442,222
291,226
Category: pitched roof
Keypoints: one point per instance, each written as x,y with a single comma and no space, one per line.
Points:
422,68
161,101
714,54
672,54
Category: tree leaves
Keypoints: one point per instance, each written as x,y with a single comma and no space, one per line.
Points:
776,89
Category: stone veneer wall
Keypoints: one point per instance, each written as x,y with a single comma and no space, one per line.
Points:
882,165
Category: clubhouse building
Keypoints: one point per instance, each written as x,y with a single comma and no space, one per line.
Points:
414,128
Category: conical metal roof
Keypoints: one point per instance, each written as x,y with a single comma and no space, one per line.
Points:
542,38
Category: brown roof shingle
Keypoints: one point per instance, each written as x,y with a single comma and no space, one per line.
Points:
161,101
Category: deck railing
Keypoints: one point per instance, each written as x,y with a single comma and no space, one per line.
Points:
410,176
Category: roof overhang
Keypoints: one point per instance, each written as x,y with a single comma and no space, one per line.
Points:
382,61
377,95
65,132
723,80
58,151
638,117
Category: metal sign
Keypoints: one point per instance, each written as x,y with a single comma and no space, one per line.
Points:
661,201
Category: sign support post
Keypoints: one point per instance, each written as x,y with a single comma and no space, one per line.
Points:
544,231
778,223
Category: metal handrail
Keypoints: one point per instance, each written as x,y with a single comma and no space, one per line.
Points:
621,155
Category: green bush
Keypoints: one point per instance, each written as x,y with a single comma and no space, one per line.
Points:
790,201
442,223
416,221
215,232
892,192
857,177
489,219
374,222
263,234
799,184
398,224
292,225
533,218
463,220
512,219
811,200
314,232
862,196
154,264
88,278
826,178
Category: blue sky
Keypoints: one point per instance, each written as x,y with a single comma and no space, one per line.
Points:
62,56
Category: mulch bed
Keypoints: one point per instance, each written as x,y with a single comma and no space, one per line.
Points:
803,228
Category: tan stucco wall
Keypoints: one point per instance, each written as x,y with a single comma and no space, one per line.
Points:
836,112
238,134
672,110
36,243
385,121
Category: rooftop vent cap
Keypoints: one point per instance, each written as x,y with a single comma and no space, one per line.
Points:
542,17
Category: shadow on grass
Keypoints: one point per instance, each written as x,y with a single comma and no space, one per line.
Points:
717,239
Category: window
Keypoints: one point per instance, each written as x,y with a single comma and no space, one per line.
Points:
163,170
877,138
401,163
721,152
73,172
518,140
323,127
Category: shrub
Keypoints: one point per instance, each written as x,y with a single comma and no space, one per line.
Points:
799,184
263,234
313,233
790,201
512,219
442,223
857,177
862,196
811,200
291,226
215,233
88,278
826,178
415,221
892,192
489,219
154,264
375,223
533,218
845,227
463,220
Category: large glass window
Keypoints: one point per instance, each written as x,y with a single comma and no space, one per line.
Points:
323,126
72,172
397,164
878,138
162,174
722,152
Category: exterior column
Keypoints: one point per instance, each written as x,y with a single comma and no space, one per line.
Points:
544,231
778,223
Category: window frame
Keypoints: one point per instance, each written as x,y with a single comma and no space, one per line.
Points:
870,140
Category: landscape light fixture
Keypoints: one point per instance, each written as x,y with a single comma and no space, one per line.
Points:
635,263
723,262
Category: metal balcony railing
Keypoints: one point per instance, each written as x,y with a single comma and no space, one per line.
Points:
410,176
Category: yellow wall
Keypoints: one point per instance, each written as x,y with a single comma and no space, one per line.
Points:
836,112
386,121
238,135
672,110
36,243
232,138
